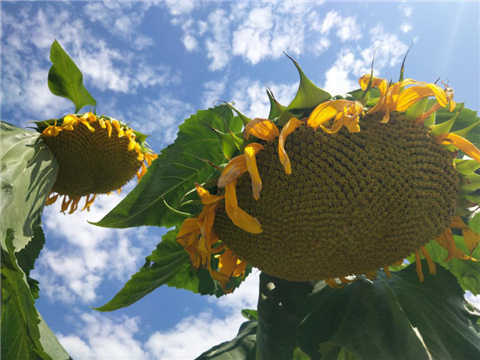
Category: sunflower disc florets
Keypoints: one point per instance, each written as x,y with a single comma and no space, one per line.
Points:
95,155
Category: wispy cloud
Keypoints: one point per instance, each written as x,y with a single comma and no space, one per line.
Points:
86,255
260,31
99,336
28,35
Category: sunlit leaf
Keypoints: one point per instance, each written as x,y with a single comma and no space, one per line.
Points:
66,80
242,347
175,172
28,172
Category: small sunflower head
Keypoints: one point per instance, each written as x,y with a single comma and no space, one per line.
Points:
95,155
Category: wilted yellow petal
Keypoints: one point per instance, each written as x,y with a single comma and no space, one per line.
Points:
234,169
263,129
287,129
446,241
205,195
418,266
387,272
463,144
431,265
457,223
69,122
381,84
250,151
238,216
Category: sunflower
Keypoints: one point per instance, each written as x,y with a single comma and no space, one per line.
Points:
95,154
353,188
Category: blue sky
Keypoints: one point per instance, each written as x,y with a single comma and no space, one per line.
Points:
152,64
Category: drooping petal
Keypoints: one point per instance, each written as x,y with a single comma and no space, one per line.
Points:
387,272
250,151
471,239
69,122
51,199
342,112
446,241
431,265
263,129
381,84
287,129
463,144
418,266
333,284
410,96
205,195
238,216
234,169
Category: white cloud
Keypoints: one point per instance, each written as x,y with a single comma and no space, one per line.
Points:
407,10
162,114
406,27
251,99
260,31
337,80
475,300
85,255
100,336
213,92
27,38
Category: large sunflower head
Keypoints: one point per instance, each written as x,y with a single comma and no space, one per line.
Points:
95,155
349,187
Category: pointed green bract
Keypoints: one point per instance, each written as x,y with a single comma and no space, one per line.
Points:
445,126
28,173
417,109
276,109
308,94
66,80
178,167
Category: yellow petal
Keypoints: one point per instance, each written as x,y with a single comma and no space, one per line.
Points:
69,122
446,241
418,267
457,223
325,112
205,195
431,265
238,216
90,117
287,129
333,284
263,129
459,142
471,239
342,112
250,151
234,169
109,128
410,96
85,122
381,84
51,199
387,272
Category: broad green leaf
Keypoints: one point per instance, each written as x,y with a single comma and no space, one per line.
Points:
28,172
169,264
465,118
467,272
27,256
242,347
397,318
279,315
175,172
308,94
66,80
24,334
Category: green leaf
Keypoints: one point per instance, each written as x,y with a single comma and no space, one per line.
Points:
466,167
308,94
28,172
24,333
444,127
242,347
276,109
66,80
250,314
169,264
471,182
397,318
467,272
465,118
279,313
175,172
27,256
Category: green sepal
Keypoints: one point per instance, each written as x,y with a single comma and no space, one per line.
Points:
465,167
231,143
276,109
470,183
66,80
473,198
402,69
445,126
244,119
417,109
464,132
308,94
